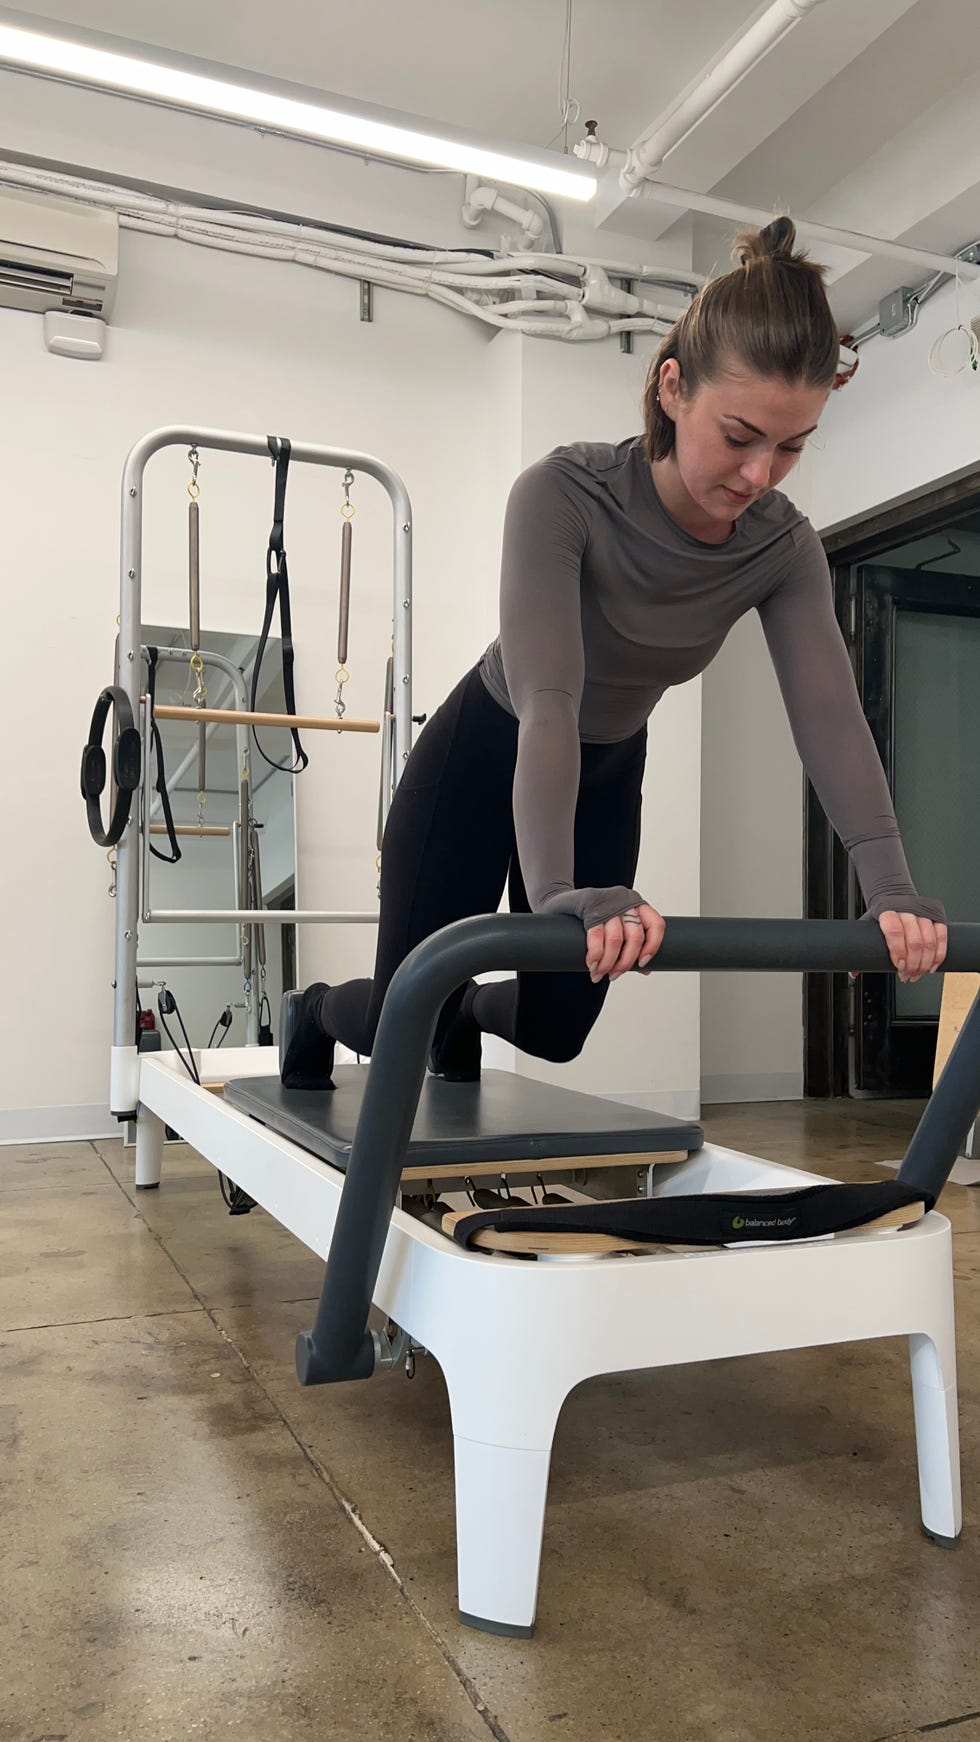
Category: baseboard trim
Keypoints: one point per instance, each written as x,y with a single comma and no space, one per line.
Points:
676,1103
777,1086
57,1124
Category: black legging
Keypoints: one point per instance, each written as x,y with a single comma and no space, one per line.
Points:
449,852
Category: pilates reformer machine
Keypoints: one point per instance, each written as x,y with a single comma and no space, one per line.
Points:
523,1292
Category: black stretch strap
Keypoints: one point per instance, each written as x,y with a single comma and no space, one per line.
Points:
277,587
714,1219
160,784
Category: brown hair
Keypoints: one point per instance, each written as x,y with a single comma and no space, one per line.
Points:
770,315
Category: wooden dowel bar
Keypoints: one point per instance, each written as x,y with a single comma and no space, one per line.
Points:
191,829
245,717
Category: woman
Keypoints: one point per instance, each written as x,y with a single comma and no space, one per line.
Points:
624,568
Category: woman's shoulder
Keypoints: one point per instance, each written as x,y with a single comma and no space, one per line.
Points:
773,515
583,464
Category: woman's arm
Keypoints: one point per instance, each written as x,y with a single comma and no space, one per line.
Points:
546,531
831,733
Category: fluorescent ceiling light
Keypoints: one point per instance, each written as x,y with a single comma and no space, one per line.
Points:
111,64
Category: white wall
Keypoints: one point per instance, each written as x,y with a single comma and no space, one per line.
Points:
898,427
203,338
895,429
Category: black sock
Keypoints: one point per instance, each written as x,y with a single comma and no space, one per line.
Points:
456,1045
308,1061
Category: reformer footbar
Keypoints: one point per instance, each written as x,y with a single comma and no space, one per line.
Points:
340,1347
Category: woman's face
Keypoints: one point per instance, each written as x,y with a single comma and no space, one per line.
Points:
738,436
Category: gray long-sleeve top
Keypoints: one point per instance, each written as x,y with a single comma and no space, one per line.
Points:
606,602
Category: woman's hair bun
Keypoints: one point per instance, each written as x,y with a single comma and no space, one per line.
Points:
775,242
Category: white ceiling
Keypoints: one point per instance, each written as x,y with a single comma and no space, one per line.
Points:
866,116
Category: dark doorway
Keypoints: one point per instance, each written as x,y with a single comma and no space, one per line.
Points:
907,592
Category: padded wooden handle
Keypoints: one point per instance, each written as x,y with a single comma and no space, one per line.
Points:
246,717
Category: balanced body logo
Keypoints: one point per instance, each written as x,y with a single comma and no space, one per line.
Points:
739,1222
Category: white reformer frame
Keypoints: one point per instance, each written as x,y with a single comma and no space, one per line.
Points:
514,1337
124,1068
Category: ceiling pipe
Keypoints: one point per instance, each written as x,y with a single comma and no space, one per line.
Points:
481,199
719,78
687,200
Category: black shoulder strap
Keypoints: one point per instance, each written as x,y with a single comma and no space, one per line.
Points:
171,858
277,587
712,1218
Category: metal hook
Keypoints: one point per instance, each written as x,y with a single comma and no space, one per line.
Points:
341,676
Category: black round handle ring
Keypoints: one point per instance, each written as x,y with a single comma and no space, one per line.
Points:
126,760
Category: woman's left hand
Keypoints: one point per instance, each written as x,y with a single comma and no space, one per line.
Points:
916,946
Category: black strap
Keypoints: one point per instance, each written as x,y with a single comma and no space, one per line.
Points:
126,757
160,784
711,1219
277,587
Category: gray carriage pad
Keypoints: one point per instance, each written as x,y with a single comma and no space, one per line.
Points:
503,1117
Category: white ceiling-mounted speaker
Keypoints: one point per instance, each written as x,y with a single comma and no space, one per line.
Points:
57,254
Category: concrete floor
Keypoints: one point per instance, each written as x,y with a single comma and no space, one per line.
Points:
193,1546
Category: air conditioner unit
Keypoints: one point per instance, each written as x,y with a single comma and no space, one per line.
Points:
55,254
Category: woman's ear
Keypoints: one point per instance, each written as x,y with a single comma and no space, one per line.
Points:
669,386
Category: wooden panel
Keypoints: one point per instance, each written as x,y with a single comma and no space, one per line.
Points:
552,1164
959,991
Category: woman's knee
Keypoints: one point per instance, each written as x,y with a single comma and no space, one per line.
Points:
555,1049
557,1036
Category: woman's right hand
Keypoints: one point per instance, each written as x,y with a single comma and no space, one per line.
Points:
632,937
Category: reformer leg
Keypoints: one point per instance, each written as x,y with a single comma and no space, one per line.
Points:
937,1431
505,1413
501,1492
149,1148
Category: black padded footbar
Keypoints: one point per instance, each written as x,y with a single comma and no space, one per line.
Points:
501,1118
